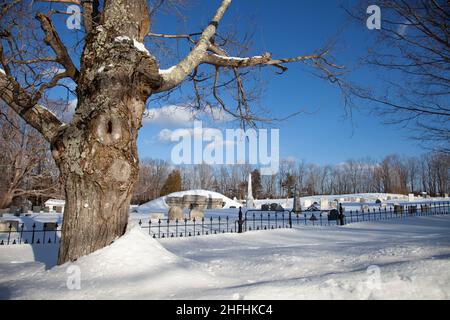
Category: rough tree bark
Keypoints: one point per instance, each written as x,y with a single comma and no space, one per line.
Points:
97,153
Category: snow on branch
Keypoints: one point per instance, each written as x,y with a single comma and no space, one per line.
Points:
266,59
179,72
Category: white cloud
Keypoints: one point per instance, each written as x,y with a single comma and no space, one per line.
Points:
184,115
165,135
169,115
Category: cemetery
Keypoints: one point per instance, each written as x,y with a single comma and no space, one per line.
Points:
183,150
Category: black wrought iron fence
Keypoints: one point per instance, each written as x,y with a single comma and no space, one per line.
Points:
252,220
18,233
165,228
330,217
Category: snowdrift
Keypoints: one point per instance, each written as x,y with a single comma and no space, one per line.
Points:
396,259
135,266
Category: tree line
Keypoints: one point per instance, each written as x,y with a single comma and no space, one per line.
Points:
428,173
29,173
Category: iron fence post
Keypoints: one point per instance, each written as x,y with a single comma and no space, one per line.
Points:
240,222
32,235
9,232
21,233
290,219
211,225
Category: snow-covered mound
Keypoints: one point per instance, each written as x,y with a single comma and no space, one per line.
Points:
390,259
160,204
135,266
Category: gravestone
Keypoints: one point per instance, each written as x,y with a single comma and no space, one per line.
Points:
324,205
265,207
411,197
398,209
196,214
333,215
412,209
334,204
174,201
36,209
157,216
4,225
307,203
49,226
191,200
175,213
59,209
297,205
275,207
214,203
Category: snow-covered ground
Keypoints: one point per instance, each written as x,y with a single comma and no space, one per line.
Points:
395,259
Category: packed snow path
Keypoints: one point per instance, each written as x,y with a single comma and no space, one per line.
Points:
395,259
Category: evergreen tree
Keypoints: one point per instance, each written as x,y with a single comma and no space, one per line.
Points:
256,183
172,184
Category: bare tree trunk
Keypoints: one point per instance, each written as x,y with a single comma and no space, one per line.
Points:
97,153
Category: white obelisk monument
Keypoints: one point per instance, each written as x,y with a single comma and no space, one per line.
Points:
250,203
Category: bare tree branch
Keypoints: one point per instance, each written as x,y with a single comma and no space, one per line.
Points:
178,73
53,40
20,101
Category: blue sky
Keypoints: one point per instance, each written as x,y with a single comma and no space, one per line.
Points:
323,135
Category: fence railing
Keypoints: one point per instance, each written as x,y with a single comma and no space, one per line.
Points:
21,235
253,220
322,218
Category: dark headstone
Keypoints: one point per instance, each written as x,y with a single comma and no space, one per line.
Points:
333,215
275,207
50,226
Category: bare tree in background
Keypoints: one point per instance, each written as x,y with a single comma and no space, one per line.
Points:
114,75
412,52
28,170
